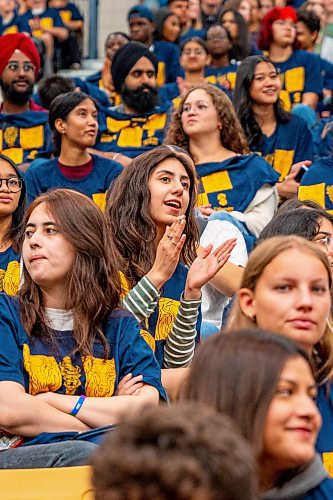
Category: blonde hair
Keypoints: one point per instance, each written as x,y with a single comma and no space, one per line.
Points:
258,261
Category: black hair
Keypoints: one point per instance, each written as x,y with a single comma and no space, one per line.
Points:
243,102
51,87
240,47
115,33
310,19
14,231
61,106
303,222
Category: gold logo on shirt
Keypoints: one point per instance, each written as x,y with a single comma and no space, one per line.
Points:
10,136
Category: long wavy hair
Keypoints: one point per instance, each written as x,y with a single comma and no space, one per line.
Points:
241,45
231,134
132,228
259,259
243,101
14,231
237,374
93,284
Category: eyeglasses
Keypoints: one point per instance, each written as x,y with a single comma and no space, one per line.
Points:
14,66
326,241
285,22
13,184
197,52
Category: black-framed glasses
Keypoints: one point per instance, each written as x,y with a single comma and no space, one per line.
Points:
27,67
14,184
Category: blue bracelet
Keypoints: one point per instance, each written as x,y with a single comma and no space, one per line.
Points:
78,406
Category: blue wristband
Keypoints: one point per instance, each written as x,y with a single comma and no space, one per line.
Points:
78,406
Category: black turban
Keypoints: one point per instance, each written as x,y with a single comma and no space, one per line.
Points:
124,60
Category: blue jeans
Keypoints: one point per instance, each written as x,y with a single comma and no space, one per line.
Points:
248,237
64,454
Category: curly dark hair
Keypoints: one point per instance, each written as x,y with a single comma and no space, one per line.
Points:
243,102
231,134
183,452
132,228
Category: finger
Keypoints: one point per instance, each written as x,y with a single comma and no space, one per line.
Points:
206,251
129,383
125,379
179,229
178,245
225,247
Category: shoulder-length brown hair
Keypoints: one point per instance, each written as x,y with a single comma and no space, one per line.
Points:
237,374
93,287
263,255
132,228
231,134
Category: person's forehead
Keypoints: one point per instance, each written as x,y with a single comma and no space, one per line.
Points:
143,64
138,19
18,55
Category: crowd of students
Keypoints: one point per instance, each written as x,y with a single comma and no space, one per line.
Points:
184,188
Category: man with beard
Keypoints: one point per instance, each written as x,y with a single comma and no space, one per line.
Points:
138,124
142,26
23,125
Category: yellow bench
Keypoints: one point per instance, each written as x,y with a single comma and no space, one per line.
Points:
64,483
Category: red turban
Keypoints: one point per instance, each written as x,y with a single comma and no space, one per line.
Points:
265,37
18,41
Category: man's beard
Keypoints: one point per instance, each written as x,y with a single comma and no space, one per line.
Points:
14,96
143,99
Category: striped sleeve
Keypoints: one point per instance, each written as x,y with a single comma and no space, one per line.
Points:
142,300
180,343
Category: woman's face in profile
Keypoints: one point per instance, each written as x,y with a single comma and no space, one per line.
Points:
293,420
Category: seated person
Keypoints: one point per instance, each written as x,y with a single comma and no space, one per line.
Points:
45,23
219,43
194,59
282,138
142,26
12,206
299,71
9,20
138,124
74,123
24,125
74,22
65,348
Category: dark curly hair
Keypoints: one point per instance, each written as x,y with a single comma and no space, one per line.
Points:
243,102
180,452
132,228
231,134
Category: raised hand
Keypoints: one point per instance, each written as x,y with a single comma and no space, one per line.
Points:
205,267
168,253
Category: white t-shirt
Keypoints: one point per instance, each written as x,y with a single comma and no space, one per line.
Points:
216,232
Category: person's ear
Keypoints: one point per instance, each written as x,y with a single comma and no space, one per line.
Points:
208,60
60,126
247,303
